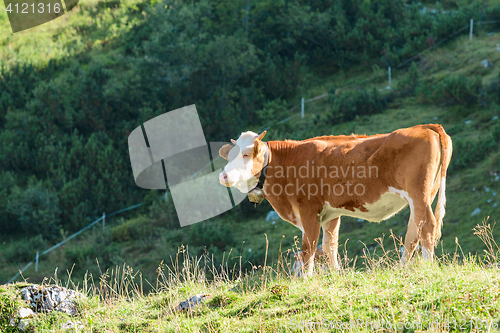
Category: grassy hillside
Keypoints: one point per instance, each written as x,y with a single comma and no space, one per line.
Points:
146,262
448,295
143,242
448,85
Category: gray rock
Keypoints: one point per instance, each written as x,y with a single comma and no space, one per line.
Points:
191,302
72,325
25,313
272,215
23,324
48,298
486,63
486,189
494,118
475,212
467,122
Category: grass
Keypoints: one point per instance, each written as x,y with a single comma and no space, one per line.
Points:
465,187
455,293
248,303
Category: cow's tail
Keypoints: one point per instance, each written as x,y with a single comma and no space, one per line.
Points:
446,150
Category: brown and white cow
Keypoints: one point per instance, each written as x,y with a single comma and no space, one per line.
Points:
312,183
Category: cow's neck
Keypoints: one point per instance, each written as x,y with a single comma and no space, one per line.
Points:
281,155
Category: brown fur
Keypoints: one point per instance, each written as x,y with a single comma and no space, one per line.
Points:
413,160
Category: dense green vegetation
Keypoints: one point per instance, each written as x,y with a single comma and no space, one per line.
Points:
73,89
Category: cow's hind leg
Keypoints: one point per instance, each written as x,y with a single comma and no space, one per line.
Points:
411,240
427,229
331,242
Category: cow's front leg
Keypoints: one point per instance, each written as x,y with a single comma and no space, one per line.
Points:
309,242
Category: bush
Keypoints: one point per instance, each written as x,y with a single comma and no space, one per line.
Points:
493,90
473,151
132,229
272,111
409,83
36,208
355,103
25,250
453,90
80,256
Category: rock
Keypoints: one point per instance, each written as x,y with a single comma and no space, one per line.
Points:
25,313
489,200
23,324
494,118
272,215
495,204
486,189
486,63
476,212
72,325
48,298
467,122
360,220
192,302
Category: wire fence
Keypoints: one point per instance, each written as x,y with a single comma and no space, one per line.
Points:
71,237
295,107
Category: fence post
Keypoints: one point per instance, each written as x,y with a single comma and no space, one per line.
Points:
103,220
471,28
302,108
389,76
36,262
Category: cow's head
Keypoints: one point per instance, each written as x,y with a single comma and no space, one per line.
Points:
246,160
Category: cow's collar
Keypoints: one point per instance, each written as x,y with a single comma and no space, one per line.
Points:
256,195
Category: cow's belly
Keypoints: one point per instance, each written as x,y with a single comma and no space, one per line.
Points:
388,205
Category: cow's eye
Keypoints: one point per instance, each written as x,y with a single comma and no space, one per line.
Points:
246,155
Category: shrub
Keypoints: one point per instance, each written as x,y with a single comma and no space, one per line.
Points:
132,229
453,90
473,151
80,256
348,105
272,111
25,250
493,90
36,208
409,83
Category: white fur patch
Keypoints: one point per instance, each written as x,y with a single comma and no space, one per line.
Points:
427,254
404,195
239,169
298,221
388,205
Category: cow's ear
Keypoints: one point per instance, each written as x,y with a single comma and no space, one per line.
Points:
224,151
261,136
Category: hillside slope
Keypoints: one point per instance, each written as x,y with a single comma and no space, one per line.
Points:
448,85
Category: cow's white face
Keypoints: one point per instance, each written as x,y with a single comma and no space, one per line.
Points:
246,160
